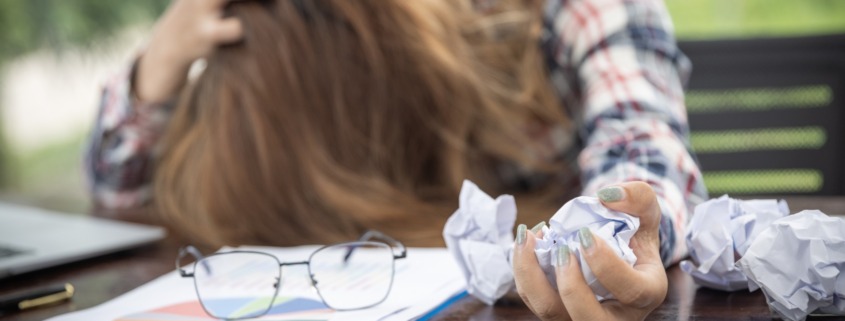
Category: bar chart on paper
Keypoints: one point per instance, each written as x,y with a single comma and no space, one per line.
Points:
283,308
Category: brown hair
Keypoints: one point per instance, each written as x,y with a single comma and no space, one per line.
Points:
336,116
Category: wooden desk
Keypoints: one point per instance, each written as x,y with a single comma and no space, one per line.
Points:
101,279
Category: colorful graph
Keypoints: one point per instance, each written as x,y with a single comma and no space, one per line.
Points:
291,307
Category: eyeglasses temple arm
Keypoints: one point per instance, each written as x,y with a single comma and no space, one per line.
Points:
198,257
372,234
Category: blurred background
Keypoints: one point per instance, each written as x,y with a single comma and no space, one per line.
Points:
55,55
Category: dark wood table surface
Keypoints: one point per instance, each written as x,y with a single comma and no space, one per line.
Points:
101,279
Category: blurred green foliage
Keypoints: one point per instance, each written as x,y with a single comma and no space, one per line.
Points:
709,19
26,25
49,177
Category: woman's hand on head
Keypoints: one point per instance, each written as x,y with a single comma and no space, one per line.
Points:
187,31
637,290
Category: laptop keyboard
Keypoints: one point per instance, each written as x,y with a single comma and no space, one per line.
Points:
7,252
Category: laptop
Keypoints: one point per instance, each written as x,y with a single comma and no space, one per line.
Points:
32,238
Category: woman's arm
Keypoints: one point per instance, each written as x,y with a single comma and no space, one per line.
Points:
619,71
135,105
120,152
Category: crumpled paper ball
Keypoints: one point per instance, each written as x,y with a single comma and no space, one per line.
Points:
615,228
720,231
798,262
479,235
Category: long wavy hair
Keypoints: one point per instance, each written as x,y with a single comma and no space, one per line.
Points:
335,116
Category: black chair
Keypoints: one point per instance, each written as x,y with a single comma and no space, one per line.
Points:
767,114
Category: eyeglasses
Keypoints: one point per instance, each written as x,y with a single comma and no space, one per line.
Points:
346,276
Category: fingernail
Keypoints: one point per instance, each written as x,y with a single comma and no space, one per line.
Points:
539,227
520,234
611,194
562,256
586,237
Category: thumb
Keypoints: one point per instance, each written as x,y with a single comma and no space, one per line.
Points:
634,198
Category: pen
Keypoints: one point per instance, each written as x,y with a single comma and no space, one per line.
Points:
36,298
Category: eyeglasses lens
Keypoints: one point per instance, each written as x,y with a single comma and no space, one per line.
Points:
237,285
352,281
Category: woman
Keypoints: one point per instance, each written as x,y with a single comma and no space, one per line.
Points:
314,120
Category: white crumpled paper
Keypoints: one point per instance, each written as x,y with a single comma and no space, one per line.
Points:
479,235
797,262
721,230
615,228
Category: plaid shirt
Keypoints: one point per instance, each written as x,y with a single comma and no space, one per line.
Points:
614,63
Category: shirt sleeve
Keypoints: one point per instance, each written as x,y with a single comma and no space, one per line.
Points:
120,154
620,74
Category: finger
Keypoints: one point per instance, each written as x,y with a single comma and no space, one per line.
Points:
520,243
227,30
577,297
638,286
637,199
538,229
531,283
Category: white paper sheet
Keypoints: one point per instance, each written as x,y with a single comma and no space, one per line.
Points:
479,235
721,230
422,281
798,262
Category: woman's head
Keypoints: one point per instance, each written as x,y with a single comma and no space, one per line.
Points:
336,116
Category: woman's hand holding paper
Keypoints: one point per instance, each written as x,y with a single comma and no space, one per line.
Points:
636,290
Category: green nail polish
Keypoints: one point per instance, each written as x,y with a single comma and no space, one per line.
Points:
586,237
563,255
539,227
520,234
611,194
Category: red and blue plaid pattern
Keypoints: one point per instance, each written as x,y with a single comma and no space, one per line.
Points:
618,69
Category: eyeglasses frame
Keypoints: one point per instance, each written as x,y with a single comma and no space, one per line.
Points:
365,239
